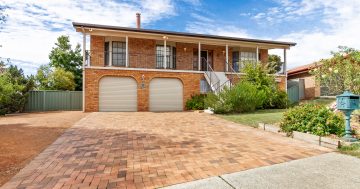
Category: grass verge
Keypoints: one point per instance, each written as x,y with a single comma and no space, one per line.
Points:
353,150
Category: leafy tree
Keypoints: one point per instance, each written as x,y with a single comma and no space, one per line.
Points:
266,84
62,80
274,63
340,72
42,77
63,56
58,79
14,88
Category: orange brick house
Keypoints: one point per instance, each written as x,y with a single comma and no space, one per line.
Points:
135,69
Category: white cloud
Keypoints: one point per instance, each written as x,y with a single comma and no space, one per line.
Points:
205,25
33,26
343,26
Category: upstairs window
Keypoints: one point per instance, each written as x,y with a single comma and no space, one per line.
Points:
118,53
239,58
170,57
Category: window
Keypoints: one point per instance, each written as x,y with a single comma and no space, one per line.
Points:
106,52
170,57
248,56
239,58
118,53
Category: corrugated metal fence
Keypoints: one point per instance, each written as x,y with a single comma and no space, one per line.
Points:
293,94
53,101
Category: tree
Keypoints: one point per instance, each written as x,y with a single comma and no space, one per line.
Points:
63,56
62,80
340,72
274,63
14,88
42,77
58,79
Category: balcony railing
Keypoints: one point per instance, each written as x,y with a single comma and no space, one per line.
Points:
154,61
140,60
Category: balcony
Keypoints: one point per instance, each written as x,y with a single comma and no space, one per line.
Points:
156,61
138,60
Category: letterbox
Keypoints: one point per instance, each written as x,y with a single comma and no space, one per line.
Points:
347,101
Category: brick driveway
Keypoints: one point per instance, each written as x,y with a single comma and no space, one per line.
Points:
148,150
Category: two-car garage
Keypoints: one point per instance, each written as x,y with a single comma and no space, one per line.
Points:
119,94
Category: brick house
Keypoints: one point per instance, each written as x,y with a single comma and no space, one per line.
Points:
135,69
309,88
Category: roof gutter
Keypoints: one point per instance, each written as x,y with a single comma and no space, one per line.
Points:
116,28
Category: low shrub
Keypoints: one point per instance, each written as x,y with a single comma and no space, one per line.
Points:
243,97
196,102
314,119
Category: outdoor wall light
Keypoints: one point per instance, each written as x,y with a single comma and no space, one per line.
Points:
185,49
90,29
165,38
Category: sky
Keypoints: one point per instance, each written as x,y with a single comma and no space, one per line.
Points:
317,26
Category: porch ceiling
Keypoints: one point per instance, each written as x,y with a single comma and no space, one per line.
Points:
103,30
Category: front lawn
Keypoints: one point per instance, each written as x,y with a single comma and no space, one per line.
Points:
253,119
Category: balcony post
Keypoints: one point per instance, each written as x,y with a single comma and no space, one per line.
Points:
127,51
257,54
164,53
199,57
284,69
110,53
227,57
83,70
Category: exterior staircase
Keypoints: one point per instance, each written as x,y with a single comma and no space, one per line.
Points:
217,80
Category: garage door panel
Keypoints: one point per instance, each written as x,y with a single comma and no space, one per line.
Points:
166,94
117,94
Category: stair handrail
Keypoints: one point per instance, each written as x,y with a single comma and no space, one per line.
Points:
232,73
211,75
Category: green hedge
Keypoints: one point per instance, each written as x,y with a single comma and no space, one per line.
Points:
196,102
314,119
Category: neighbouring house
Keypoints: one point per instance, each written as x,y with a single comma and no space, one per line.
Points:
135,69
300,76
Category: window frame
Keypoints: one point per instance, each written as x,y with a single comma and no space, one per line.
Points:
170,57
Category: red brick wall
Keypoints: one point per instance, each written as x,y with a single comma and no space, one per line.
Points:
191,84
97,45
264,55
142,53
185,56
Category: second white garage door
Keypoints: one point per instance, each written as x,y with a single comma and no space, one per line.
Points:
166,94
117,94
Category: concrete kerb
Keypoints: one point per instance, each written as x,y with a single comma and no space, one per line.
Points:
314,139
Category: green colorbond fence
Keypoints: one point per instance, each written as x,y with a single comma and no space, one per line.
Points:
53,101
293,94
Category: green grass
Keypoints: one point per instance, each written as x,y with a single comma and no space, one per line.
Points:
320,101
353,150
270,116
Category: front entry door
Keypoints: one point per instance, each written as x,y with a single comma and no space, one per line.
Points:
205,59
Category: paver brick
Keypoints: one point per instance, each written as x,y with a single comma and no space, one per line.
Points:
150,150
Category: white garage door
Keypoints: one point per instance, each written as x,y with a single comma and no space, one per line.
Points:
117,94
166,94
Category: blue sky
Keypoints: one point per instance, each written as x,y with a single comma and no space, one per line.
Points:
317,26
